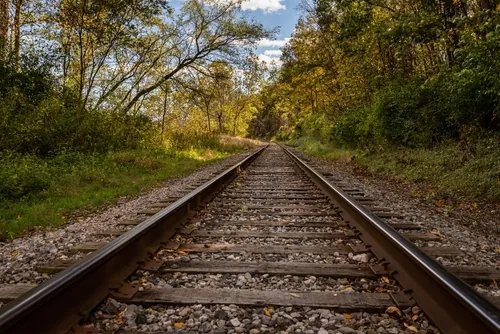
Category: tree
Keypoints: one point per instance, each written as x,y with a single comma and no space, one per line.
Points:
4,28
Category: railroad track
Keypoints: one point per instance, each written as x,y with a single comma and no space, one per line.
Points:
269,245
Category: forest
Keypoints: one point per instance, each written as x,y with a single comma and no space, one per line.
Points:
97,92
406,87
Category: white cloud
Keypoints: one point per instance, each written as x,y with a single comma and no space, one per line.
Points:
272,53
267,6
270,60
266,43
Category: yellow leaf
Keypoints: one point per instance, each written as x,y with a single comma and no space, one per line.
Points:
386,279
178,324
266,312
348,288
498,249
412,328
14,253
347,316
294,295
393,310
181,252
440,203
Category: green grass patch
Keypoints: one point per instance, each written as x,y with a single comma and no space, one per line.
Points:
447,171
37,192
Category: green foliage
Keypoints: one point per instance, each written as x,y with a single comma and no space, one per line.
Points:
388,73
38,117
449,170
37,191
22,175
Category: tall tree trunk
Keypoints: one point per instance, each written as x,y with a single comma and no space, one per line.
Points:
18,4
4,28
219,120
82,49
207,112
165,105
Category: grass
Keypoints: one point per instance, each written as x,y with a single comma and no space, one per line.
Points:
448,171
36,192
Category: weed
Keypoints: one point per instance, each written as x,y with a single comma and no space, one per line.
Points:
447,171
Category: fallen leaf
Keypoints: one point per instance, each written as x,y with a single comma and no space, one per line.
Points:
347,316
386,279
294,295
14,253
266,312
437,233
440,203
348,289
181,252
412,328
393,310
498,249
495,284
178,324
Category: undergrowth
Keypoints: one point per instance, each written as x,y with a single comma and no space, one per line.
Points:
43,192
451,170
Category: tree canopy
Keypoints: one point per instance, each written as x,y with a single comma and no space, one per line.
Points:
387,72
113,70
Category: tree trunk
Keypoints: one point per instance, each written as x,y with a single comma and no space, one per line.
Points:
4,28
207,111
219,120
18,4
165,105
82,50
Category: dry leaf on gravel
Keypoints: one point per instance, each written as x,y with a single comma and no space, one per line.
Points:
266,312
411,328
178,324
393,310
347,316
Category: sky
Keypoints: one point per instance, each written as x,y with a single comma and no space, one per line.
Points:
273,13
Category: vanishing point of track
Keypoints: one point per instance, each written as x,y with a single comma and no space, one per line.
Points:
274,206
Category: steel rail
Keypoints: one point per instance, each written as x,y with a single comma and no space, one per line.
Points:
60,302
450,302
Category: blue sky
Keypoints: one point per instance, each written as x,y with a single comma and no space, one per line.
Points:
273,13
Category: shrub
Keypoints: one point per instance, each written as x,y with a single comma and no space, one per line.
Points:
22,175
38,117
